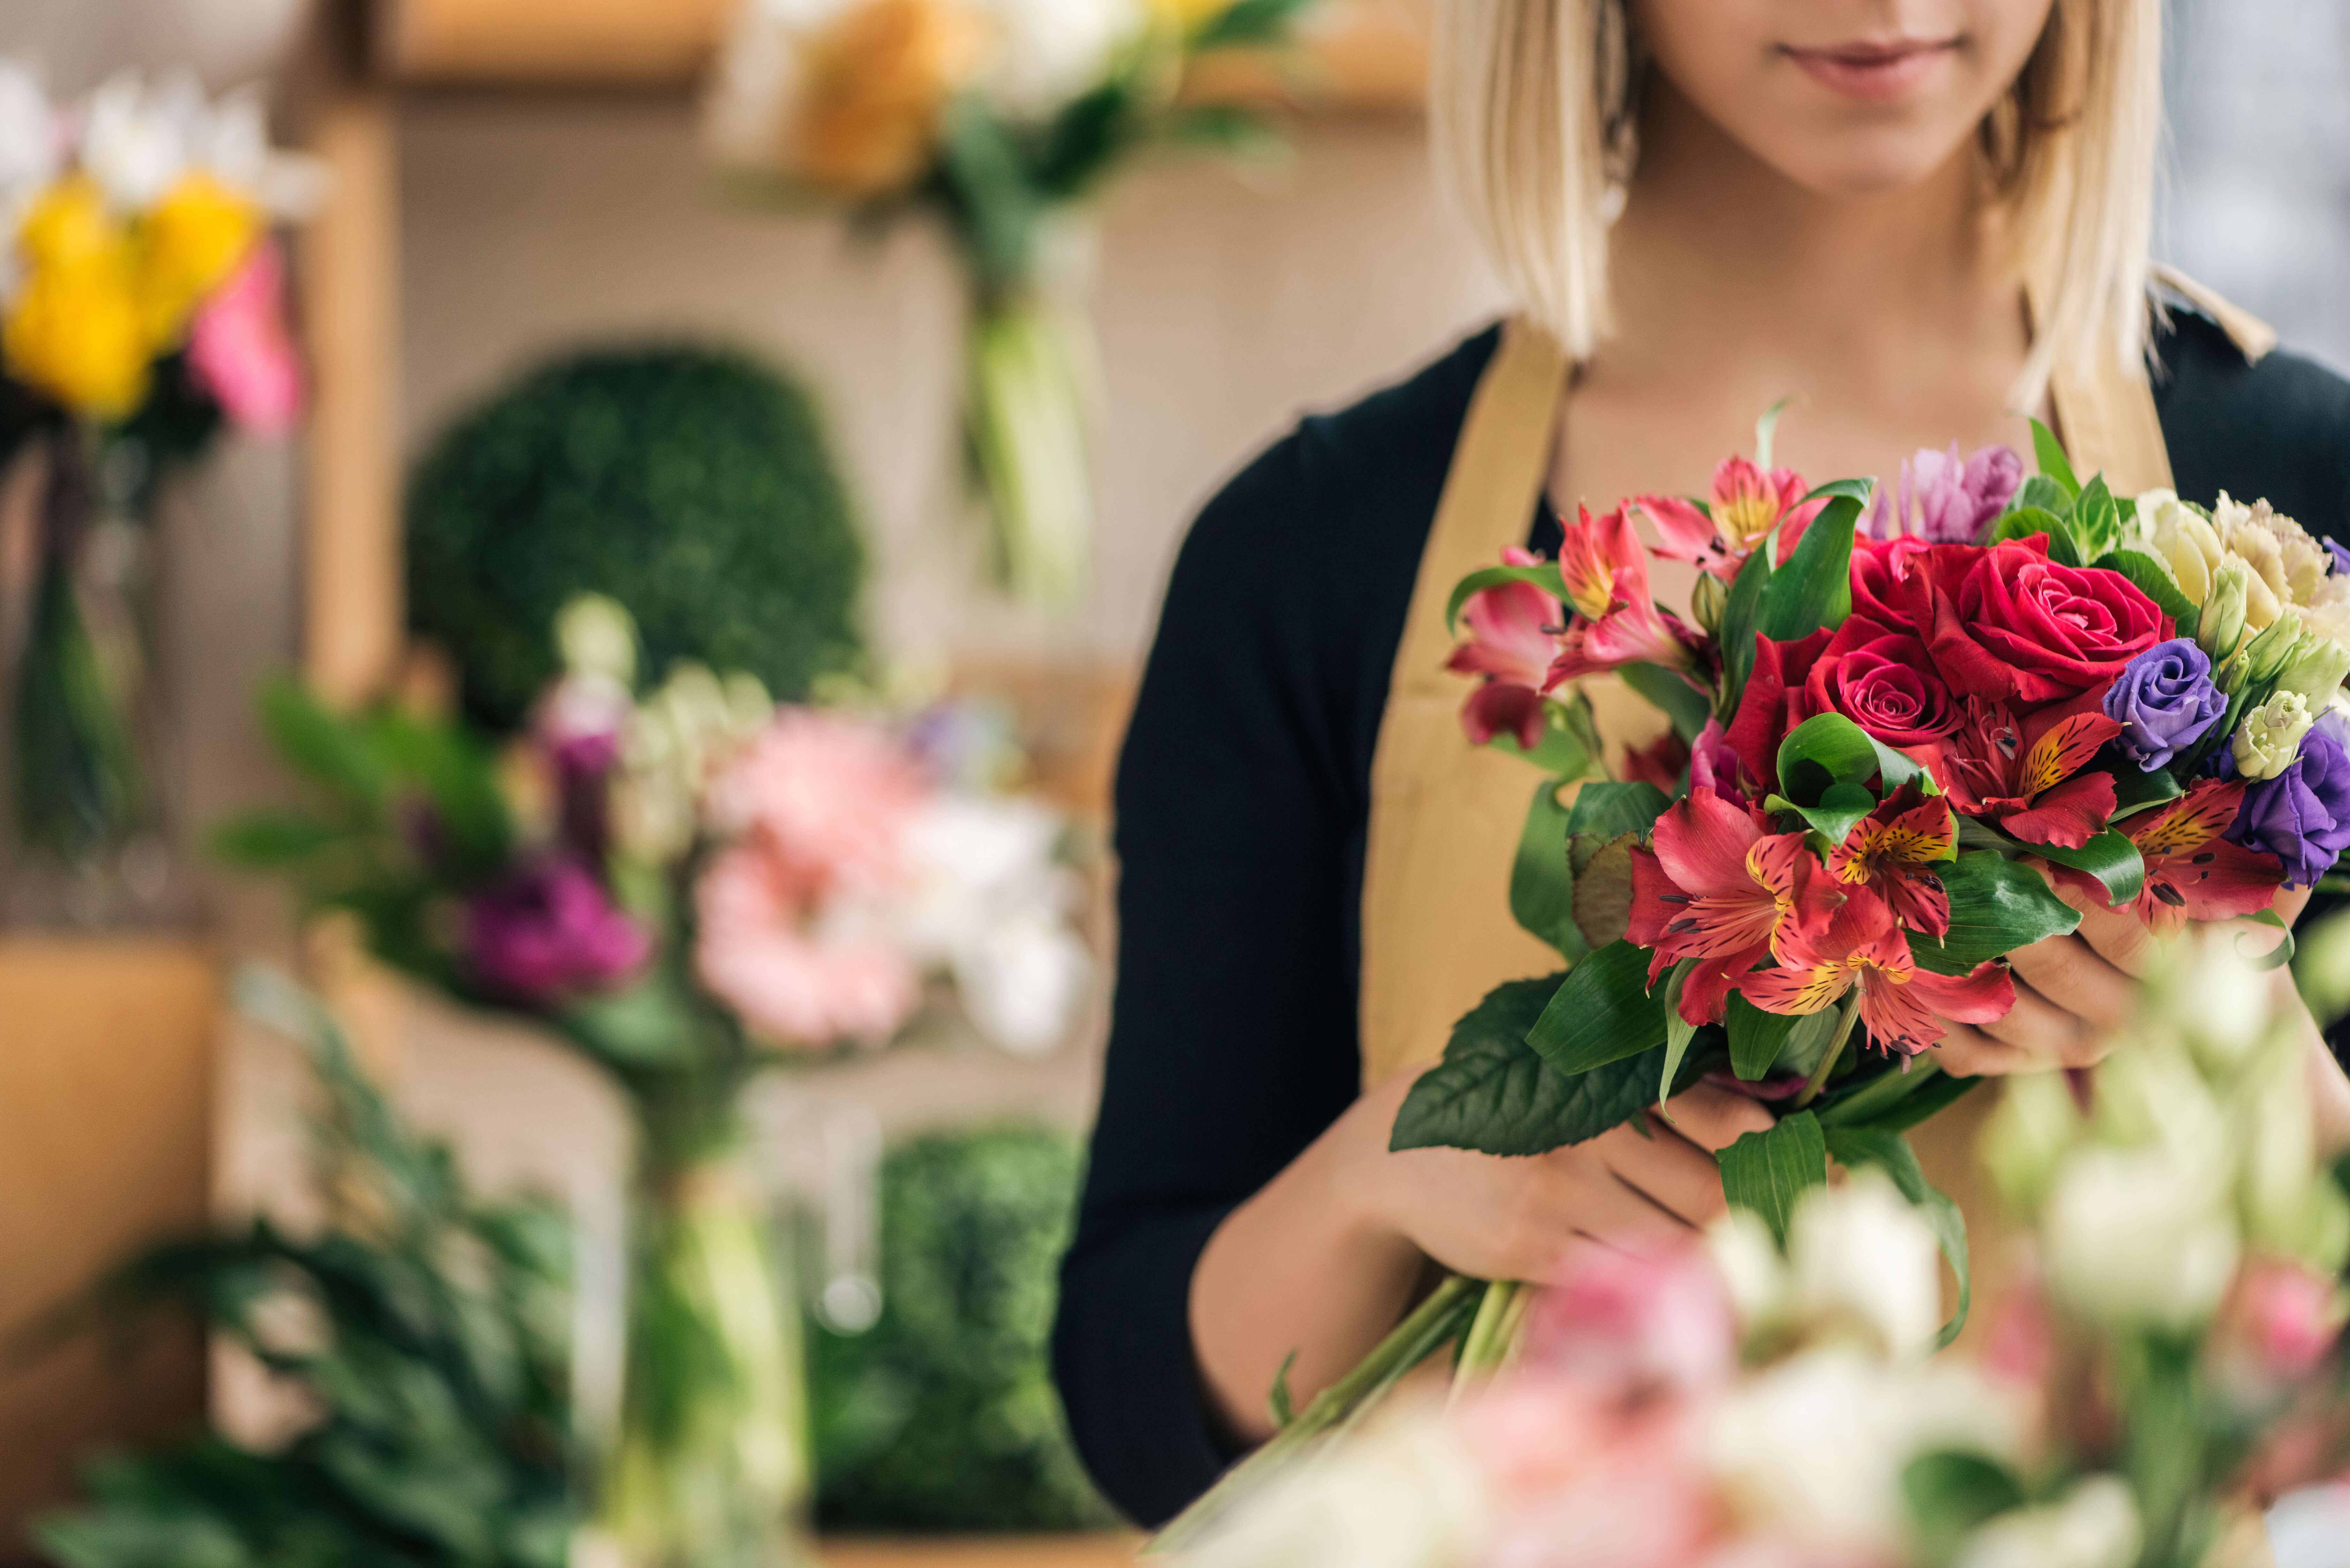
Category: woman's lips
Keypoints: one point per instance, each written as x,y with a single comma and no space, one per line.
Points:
1873,71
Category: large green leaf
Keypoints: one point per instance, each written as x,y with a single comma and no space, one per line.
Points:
2050,452
1755,1037
1603,1013
1679,701
1739,610
1997,906
1839,809
2110,857
1896,1099
1542,886
1953,1492
1812,589
2096,521
2023,522
1890,1152
1769,1172
1829,749
1612,810
1492,1094
1601,905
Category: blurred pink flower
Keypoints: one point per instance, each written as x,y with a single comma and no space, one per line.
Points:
240,351
550,933
830,799
759,951
1513,636
1590,1480
1636,1320
2287,1316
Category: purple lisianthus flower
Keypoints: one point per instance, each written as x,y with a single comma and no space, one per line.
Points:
550,932
2341,555
2302,816
2166,701
1944,499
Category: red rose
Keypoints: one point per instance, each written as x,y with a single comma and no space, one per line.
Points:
1877,565
2007,622
1882,680
1763,716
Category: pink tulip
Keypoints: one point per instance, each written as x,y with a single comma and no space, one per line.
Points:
240,351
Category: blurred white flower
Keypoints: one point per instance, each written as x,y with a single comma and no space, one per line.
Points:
1863,1259
1403,1494
2096,1526
29,141
2139,1236
1046,52
1023,983
136,137
1752,1268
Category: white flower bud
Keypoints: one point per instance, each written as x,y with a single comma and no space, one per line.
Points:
2270,737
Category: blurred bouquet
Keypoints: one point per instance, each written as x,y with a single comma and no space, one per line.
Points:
141,304
1001,118
690,886
1766,1397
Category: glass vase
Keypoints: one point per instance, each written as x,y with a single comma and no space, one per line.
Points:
709,1467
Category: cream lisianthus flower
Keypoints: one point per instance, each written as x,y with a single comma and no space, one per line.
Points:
2270,737
2196,551
2281,550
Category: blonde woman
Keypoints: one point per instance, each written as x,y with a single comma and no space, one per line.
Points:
1924,219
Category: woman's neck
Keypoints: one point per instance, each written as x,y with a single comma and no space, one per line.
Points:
1716,245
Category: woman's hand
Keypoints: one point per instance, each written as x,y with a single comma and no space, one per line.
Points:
1512,1219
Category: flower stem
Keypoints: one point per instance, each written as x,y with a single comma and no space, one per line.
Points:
1435,1323
1835,1051
1491,1336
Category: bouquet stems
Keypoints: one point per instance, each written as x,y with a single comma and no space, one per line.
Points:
1028,429
1450,1311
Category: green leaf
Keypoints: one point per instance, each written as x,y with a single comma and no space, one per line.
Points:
1542,885
1809,1040
2023,522
650,1024
1953,1492
2110,857
1829,749
1279,1403
1543,574
1681,702
2154,580
2136,791
1492,1094
2096,521
1560,752
1612,810
324,748
1841,805
1766,430
1813,587
1738,613
1895,1099
1997,906
1678,1030
2276,957
1602,895
2050,452
1603,1013
1890,1153
1755,1037
1769,1172
2038,492
272,840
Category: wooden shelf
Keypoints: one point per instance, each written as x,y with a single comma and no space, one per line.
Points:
1113,1551
1359,54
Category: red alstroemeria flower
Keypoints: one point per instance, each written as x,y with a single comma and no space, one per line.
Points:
2025,776
1616,621
1713,886
1902,1006
1746,504
1512,637
1891,851
2192,873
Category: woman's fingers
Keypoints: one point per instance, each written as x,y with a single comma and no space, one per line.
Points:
1616,1215
2116,935
1714,1118
2072,974
1966,1051
1669,1170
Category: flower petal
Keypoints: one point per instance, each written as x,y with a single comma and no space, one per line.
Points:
2068,815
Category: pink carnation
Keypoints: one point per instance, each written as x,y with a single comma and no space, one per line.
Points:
830,798
1636,1319
790,980
240,351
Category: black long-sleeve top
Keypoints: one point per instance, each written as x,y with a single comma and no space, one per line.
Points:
1243,798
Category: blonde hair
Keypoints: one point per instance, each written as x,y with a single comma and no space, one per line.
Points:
1531,107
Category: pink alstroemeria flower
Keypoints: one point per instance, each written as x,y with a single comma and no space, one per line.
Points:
2191,872
2026,775
1616,621
1513,631
1747,502
1902,1005
240,351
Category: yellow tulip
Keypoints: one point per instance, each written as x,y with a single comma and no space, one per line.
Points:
876,82
190,241
68,225
77,334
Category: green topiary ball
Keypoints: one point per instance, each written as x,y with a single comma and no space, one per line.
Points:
693,485
943,1415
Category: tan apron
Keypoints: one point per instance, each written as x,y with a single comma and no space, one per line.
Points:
1446,815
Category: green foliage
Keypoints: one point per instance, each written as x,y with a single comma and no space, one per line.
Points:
1829,749
1610,810
1603,1013
1542,879
943,1417
1769,1172
1997,905
1854,1148
438,1367
694,486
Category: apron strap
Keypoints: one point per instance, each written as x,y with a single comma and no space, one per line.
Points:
2106,417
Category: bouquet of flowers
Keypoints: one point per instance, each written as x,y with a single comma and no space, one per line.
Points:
1000,118
1766,1395
1889,713
690,886
142,306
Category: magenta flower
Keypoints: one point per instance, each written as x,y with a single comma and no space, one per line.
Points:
550,933
1944,499
240,351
